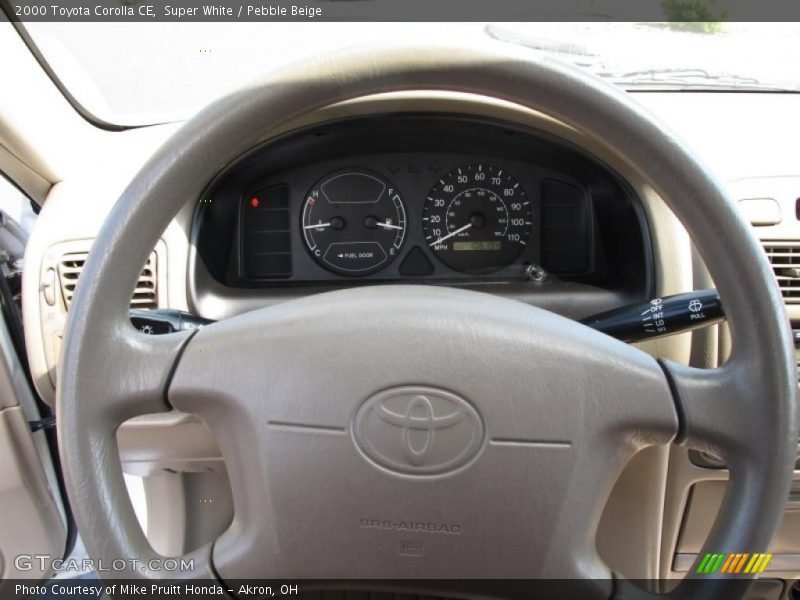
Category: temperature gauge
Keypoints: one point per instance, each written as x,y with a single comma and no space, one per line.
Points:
354,222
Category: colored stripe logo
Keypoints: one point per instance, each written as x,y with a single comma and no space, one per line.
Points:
739,562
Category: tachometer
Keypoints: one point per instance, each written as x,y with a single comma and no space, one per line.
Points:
354,222
477,219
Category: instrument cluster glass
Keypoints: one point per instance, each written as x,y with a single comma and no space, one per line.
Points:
476,219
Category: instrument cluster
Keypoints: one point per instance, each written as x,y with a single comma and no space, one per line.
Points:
475,219
417,199
387,217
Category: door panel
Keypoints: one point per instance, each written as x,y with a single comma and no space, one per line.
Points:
31,513
31,520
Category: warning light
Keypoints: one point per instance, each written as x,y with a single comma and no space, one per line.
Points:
255,202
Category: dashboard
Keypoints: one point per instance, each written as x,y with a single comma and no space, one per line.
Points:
420,198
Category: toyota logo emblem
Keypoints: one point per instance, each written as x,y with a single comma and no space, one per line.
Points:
418,431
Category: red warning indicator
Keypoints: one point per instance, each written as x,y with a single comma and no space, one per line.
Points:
255,202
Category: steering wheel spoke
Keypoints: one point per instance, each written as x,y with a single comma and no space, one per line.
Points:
719,413
126,376
146,363
139,366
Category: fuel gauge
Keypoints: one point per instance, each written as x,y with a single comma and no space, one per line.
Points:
354,222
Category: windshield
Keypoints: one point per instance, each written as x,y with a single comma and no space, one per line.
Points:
137,74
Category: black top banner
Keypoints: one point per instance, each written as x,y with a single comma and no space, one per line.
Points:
399,10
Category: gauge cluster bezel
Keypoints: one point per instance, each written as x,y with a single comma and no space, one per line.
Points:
413,151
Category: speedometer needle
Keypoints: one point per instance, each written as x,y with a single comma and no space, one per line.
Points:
317,226
451,234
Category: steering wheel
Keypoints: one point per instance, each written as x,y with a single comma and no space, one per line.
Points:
415,431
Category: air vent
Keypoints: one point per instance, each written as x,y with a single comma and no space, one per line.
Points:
785,260
144,296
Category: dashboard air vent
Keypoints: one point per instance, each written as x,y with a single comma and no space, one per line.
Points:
785,260
144,296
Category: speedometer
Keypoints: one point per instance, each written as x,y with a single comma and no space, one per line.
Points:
477,219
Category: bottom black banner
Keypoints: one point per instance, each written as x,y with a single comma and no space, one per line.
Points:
90,587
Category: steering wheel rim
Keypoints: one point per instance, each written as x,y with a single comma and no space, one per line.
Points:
715,408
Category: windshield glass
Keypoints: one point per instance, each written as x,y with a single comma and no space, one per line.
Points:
136,74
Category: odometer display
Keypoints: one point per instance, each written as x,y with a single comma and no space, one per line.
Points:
477,219
495,245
